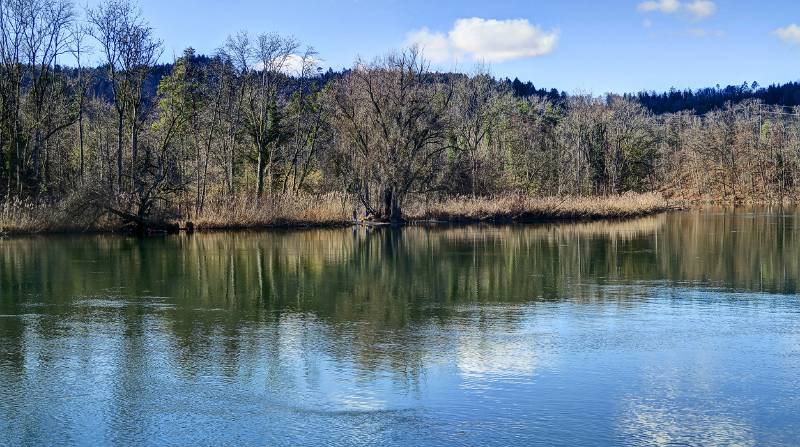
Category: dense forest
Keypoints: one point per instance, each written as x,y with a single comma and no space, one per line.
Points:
260,120
708,99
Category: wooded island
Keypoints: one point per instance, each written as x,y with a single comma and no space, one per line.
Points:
258,134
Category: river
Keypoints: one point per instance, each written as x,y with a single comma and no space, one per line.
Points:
681,328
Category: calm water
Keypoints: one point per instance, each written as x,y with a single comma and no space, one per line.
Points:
670,330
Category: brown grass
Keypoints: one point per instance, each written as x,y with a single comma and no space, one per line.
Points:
335,209
520,208
21,218
275,211
25,217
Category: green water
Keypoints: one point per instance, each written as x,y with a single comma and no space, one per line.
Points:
674,329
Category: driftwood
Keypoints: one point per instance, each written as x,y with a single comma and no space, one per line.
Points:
372,223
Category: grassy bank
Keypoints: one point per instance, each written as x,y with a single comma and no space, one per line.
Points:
275,211
336,210
62,217
518,208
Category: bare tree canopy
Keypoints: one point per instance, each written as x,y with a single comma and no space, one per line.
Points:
392,123
260,122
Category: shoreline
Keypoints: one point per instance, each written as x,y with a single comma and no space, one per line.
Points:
510,210
331,226
501,210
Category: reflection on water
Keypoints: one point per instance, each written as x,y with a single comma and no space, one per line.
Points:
673,329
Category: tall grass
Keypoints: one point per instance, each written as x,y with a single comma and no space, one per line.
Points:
294,210
275,210
21,217
28,217
521,208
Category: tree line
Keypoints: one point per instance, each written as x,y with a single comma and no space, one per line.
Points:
139,139
707,99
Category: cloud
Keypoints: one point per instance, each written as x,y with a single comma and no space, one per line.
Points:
486,40
789,34
701,9
435,46
665,6
293,65
695,9
296,65
501,40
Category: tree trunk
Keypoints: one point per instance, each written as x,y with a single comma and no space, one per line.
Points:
37,141
120,123
231,164
141,225
474,173
391,205
198,176
80,138
260,170
134,147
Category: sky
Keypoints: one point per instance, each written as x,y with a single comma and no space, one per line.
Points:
574,45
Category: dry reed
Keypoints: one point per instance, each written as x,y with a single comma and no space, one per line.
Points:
274,211
26,217
334,209
520,208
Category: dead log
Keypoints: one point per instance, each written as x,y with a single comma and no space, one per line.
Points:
142,225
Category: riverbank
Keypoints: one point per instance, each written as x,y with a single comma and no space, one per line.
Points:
523,209
331,210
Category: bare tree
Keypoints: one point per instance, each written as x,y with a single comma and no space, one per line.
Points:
308,122
79,48
236,57
130,51
33,34
391,115
477,110
272,54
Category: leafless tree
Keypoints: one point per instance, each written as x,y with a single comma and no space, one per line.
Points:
391,115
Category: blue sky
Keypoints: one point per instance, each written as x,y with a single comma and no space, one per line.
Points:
592,46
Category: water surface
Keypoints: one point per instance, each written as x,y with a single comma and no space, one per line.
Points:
678,329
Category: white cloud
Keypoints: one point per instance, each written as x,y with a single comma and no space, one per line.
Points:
501,40
296,65
665,6
695,9
293,65
701,9
485,40
789,34
435,46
